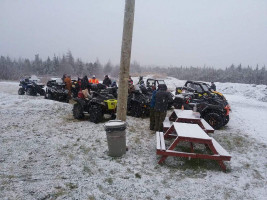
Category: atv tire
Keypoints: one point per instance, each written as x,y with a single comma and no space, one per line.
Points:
31,92
113,116
21,91
226,120
48,96
136,110
42,92
77,111
95,114
214,119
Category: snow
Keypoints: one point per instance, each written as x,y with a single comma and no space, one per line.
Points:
187,114
114,123
190,131
46,154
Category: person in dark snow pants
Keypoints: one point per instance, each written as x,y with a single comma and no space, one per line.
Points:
162,98
152,110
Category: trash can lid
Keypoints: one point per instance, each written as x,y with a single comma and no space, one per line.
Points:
115,125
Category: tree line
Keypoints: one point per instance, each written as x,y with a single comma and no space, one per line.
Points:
234,74
13,69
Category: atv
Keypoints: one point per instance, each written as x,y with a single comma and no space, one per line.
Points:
55,90
154,82
31,87
99,104
138,102
199,88
211,108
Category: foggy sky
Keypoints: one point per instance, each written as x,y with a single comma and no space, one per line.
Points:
166,32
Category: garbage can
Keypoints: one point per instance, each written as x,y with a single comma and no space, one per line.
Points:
116,137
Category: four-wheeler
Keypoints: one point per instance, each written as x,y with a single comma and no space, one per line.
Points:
211,108
96,106
55,90
139,98
199,89
138,102
31,87
154,82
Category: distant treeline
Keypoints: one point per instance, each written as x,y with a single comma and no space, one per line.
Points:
13,69
234,74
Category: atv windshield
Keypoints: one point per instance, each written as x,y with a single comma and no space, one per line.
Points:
161,82
205,88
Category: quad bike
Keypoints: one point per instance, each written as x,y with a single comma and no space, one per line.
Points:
139,99
30,87
199,89
153,82
212,109
96,106
138,103
56,91
103,89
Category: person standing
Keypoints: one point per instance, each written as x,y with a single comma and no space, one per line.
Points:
68,85
107,81
94,80
162,98
213,86
152,110
85,86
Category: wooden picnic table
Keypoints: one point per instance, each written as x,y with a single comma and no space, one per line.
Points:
187,116
193,134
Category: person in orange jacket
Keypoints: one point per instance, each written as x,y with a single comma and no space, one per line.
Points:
94,80
68,84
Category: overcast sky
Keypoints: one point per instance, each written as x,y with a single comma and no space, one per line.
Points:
166,32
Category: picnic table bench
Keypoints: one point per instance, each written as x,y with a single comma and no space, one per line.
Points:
193,134
187,116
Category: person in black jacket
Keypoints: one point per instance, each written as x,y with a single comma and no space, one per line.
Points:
162,98
107,81
85,87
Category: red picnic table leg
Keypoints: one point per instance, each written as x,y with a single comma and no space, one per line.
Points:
173,145
212,148
168,132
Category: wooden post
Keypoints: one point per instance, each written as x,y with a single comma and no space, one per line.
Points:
125,59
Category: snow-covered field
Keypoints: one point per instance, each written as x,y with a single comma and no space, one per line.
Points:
46,154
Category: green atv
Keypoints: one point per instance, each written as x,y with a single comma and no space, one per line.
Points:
96,107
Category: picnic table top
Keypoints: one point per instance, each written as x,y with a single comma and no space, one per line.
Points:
190,131
189,114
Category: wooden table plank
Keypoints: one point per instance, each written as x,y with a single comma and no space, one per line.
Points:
190,131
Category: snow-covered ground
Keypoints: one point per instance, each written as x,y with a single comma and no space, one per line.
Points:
46,154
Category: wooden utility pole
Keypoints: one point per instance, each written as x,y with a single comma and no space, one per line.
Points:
126,48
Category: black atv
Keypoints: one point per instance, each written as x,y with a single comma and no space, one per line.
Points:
56,91
199,89
138,102
103,89
212,109
100,104
30,87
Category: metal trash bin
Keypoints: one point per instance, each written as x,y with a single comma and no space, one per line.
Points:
116,137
